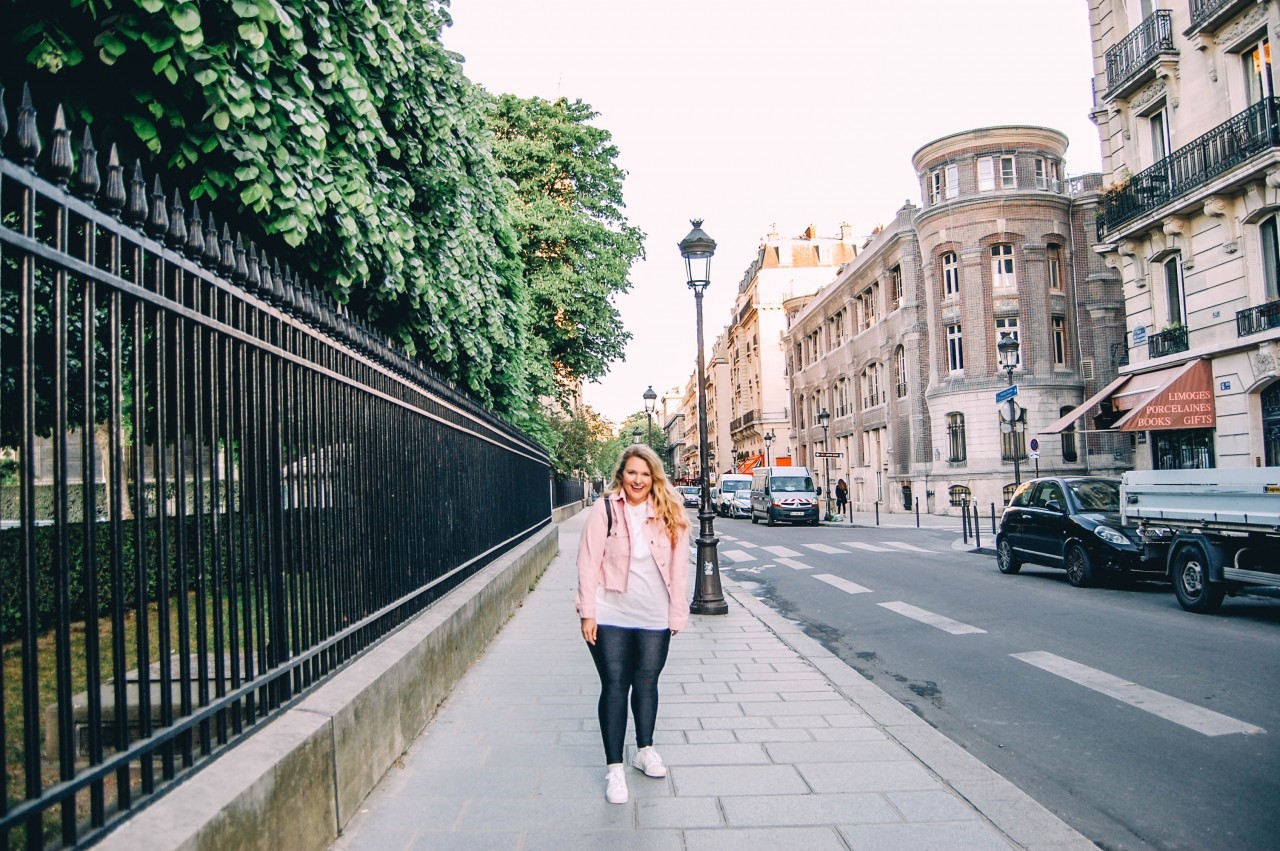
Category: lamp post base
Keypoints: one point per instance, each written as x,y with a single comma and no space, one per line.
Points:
708,595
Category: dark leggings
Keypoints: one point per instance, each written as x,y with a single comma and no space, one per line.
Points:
628,660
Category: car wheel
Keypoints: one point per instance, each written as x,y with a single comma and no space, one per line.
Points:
1004,557
1191,582
813,522
1079,567
754,519
768,519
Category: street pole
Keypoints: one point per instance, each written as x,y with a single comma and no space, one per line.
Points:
825,418
1008,349
768,439
708,597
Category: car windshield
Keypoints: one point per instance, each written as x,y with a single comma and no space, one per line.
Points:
792,484
730,487
1096,495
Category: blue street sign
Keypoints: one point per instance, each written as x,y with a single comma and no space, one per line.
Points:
1006,394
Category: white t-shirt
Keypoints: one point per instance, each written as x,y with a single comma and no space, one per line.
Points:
646,602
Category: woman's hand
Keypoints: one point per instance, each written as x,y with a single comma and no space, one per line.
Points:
674,633
589,630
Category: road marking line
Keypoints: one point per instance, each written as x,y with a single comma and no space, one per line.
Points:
725,537
843,584
737,555
795,565
868,547
825,548
1189,715
912,547
943,623
782,551
746,544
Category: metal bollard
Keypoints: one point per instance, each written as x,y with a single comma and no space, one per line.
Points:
964,521
993,519
877,512
917,512
977,540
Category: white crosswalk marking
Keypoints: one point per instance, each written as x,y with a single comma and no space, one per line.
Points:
1189,715
912,547
737,555
868,547
725,537
825,548
784,552
935,620
843,584
795,565
746,544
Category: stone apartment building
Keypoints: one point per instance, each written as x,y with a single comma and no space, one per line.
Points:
900,349
757,392
1186,110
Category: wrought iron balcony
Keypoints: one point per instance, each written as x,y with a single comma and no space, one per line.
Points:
1134,53
1209,14
1251,320
743,421
1168,342
1193,165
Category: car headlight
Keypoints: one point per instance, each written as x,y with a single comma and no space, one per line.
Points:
1111,536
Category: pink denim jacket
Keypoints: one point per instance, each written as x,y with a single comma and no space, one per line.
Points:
607,560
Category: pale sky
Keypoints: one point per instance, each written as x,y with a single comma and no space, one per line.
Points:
748,113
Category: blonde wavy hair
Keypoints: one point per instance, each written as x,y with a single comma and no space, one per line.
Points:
667,502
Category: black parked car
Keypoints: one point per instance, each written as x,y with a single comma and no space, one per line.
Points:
1071,523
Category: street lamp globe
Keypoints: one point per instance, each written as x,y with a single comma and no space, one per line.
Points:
636,435
1008,348
768,439
697,249
824,417
650,400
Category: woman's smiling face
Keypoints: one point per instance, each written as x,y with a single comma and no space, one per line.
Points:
637,480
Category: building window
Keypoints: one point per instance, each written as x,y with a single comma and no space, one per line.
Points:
958,495
1008,325
935,187
950,274
1008,179
1068,438
1257,72
1182,449
1271,257
1173,290
1047,174
955,437
953,181
1015,440
895,288
1059,341
900,358
955,348
1002,272
1009,490
986,174
1159,136
1054,263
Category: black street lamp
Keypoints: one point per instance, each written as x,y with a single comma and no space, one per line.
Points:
1008,348
636,435
650,403
708,597
768,438
823,419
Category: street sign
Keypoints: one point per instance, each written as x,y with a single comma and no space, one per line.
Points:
1035,444
828,455
1035,455
1006,394
1010,411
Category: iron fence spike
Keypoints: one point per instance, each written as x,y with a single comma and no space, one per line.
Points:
158,221
177,234
27,137
136,212
61,163
209,257
87,179
227,256
241,272
113,196
195,233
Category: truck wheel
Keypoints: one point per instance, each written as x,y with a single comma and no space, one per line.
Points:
1191,581
768,519
1079,567
1004,558
754,519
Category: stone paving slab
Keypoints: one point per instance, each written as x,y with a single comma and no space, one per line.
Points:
772,742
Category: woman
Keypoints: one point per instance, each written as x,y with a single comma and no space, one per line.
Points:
633,568
842,496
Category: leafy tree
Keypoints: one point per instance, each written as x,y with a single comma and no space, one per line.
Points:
343,130
575,440
576,244
609,451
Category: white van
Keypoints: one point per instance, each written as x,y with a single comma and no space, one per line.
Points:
783,493
729,484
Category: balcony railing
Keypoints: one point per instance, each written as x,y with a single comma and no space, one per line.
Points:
1202,11
743,421
1193,165
1251,320
1128,57
1168,342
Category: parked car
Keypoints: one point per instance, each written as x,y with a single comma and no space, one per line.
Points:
729,485
741,504
1072,523
692,495
783,493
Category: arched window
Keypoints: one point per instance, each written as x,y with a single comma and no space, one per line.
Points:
1009,490
1002,269
1270,231
1015,441
1068,438
950,274
900,361
958,495
955,437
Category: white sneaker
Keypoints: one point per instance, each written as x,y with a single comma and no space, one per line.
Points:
648,761
616,793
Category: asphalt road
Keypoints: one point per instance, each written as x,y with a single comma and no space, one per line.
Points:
1140,725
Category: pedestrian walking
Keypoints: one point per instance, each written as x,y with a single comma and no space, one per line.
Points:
633,568
842,496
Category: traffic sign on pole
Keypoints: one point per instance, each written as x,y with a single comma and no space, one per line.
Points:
1006,394
828,455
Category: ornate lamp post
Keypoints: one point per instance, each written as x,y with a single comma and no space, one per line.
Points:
768,438
636,434
823,419
650,403
708,596
1008,348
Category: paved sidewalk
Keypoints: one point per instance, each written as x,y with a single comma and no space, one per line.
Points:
772,742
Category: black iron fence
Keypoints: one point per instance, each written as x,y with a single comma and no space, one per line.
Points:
217,487
1264,317
1195,164
1168,342
566,491
1129,56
